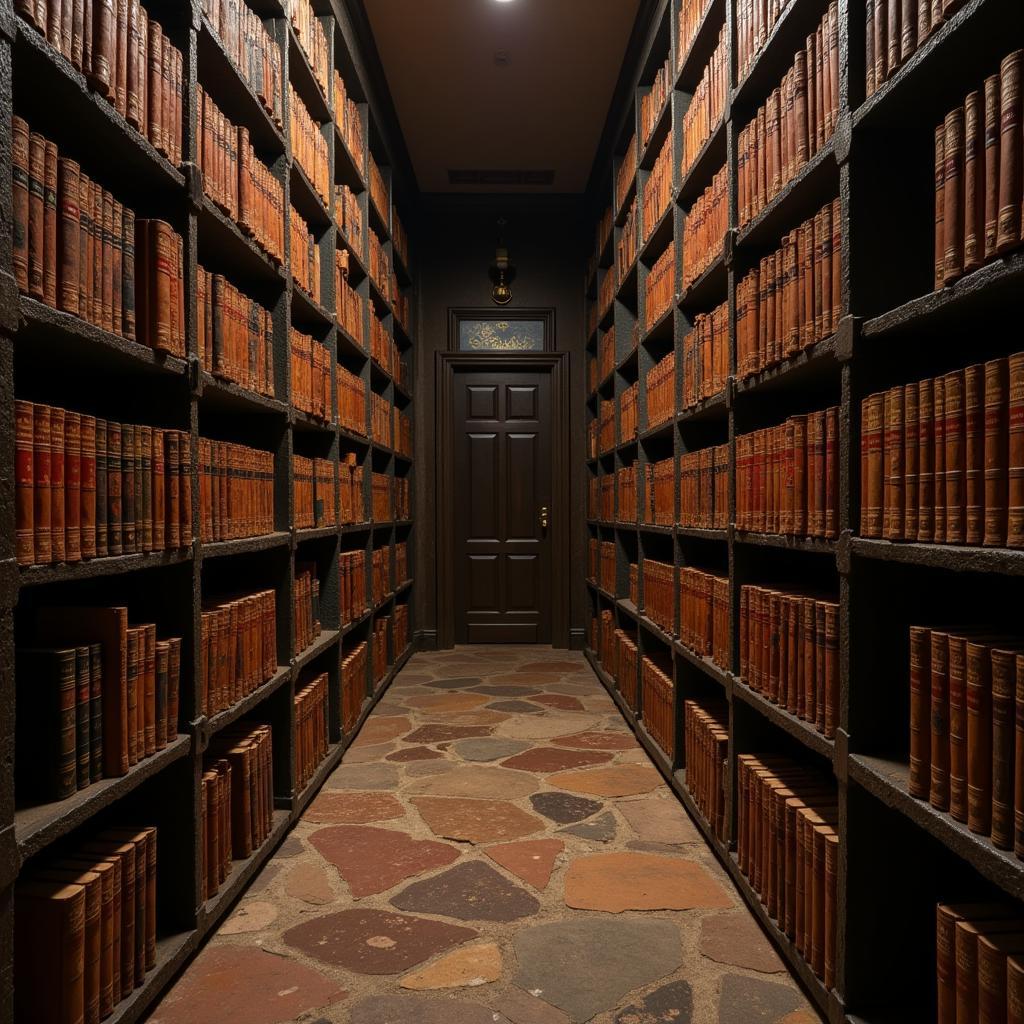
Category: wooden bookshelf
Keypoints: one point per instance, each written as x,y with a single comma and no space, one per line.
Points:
898,856
127,380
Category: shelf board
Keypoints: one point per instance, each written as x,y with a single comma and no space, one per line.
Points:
243,545
705,665
222,719
171,953
708,290
628,607
301,76
234,248
706,408
953,557
346,170
816,545
304,423
888,780
324,642
703,533
810,364
658,430
310,312
307,201
705,39
314,533
348,346
710,158
112,565
660,235
662,330
655,630
355,623
351,436
800,730
227,396
654,528
36,827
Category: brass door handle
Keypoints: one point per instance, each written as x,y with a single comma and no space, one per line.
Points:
544,517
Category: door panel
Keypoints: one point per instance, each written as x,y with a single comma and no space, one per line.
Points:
502,480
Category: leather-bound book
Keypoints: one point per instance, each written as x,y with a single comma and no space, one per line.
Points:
128,273
967,940
101,72
45,755
95,712
102,528
116,268
955,436
57,484
993,952
939,435
97,254
992,140
974,454
939,675
925,462
120,77
995,451
1003,694
83,694
171,487
908,29
979,737
893,35
173,687
49,947
70,245
832,472
128,495
1008,231
115,497
72,485
146,504
872,458
940,203
133,680
974,180
107,282
19,200
160,725
869,50
159,499
50,223
24,498
85,247
947,917
881,45
911,480
920,712
87,486
134,83
894,464
185,525
36,232
953,194
41,443
1015,453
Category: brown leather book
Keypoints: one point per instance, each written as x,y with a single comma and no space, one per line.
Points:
36,217
128,273
20,201
925,462
128,495
24,498
955,468
1008,231
116,267
107,278
57,484
953,193
95,712
974,454
908,29
115,481
893,34
49,924
108,872
974,180
939,435
995,451
73,485
1004,670
881,45
1015,453
869,50
940,203
940,753
968,934
992,140
872,458
159,500
70,226
947,918
920,712
993,951
101,489
911,480
85,247
87,486
120,77
50,223
134,682
172,515
145,434
101,73
41,442
123,854
892,528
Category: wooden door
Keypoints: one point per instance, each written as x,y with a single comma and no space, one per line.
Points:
502,485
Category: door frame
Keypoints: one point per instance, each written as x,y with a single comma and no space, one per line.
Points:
556,364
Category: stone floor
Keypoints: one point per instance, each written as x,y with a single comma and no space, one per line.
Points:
496,848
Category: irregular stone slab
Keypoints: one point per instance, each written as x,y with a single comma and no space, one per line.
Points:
563,808
262,882
663,848
291,847
508,690
613,780
638,756
475,821
363,776
470,891
447,701
414,754
597,830
308,881
249,916
615,882
801,1017
368,755
459,683
659,818
516,707
374,941
412,679
536,727
245,985
478,782
621,954
382,729
374,859
343,808
736,939
551,666
405,1008
439,733
467,967
488,748
421,769
522,1008
745,1000
597,741
555,759
559,701
532,860
481,717
672,1002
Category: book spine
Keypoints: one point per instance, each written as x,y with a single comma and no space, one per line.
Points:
20,201
992,141
940,203
1003,689
939,659
115,496
83,686
995,451
70,227
103,55
36,242
95,712
50,224
974,180
979,738
920,712
955,457
87,492
102,536
1015,453
974,454
41,483
1008,231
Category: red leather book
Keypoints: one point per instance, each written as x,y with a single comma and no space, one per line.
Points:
955,436
1015,454
36,217
41,483
115,479
128,495
134,82
50,223
940,204
57,483
974,454
24,500
992,141
116,267
995,451
20,201
892,528
920,712
103,53
939,660
974,181
911,479
953,194
107,261
73,484
925,461
88,486
70,226
101,489
120,76
939,437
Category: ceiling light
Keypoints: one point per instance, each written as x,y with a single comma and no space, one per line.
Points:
503,1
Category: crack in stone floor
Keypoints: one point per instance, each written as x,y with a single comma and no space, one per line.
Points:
495,848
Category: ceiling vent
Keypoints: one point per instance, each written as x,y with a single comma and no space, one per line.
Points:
464,177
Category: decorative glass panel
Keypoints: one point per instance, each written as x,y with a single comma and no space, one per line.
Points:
501,335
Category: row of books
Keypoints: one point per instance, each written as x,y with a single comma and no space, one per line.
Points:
88,487
894,33
125,57
352,391
85,927
794,123
316,496
787,477
381,419
236,491
626,173
754,23
236,334
380,574
252,49
400,629
704,615
77,249
658,188
311,724
629,412
706,742
304,251
964,731
309,147
383,347
704,488
306,606
627,488
349,122
350,306
350,478
706,356
793,298
237,648
353,685
348,215
605,576
379,649
707,105
942,461
788,847
691,15
620,654
70,689
380,265
660,287
979,190
352,572
652,103
237,181
789,651
661,390
658,703
310,366
309,31
378,189
706,226
660,593
626,245
237,799
660,493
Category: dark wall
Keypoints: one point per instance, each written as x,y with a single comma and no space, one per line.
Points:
456,238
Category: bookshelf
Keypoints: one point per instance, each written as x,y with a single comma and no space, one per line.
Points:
898,856
52,357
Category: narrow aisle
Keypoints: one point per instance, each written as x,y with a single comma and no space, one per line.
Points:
496,848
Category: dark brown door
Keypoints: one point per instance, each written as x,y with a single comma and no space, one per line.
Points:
502,479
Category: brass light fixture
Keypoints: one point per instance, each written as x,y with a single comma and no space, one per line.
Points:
501,273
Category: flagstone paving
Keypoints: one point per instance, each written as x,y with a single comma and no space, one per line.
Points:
496,848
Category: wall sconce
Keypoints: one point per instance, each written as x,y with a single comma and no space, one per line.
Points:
502,274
